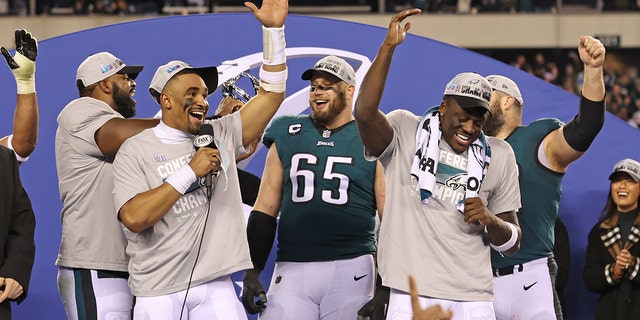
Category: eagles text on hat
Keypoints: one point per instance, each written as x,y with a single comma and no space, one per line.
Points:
102,65
335,66
470,85
629,166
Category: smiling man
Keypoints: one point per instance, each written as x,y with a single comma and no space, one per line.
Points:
185,237
327,193
92,276
452,192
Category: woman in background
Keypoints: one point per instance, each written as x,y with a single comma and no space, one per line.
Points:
612,266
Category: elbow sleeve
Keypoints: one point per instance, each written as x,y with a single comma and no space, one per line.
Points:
585,126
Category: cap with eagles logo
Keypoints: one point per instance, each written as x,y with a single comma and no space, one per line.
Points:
470,90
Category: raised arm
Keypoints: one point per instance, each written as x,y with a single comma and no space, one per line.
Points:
257,113
26,116
592,54
570,142
375,131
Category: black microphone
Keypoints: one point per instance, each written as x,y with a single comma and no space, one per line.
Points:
205,139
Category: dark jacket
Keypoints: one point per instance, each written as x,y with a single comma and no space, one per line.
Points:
17,224
619,298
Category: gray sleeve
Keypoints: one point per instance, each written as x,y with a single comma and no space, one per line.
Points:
402,122
81,122
229,130
506,194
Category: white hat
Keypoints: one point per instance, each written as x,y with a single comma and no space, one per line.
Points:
102,65
335,66
506,85
167,71
470,90
630,166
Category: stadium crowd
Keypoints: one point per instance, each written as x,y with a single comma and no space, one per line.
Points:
622,82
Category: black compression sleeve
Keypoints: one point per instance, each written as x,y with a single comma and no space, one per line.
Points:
582,130
261,231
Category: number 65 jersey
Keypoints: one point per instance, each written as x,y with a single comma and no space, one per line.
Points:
328,203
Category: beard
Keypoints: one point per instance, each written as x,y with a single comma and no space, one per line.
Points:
334,110
494,122
125,104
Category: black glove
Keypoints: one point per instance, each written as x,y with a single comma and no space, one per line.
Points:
254,298
23,63
26,45
376,308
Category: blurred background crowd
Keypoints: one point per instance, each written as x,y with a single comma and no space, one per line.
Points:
563,68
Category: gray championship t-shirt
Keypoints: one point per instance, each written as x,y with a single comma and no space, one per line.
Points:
91,237
162,256
449,258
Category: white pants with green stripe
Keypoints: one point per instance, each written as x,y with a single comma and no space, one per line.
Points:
95,294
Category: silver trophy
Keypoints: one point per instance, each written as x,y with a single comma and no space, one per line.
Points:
231,87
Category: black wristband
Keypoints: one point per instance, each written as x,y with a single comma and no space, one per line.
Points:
261,231
583,129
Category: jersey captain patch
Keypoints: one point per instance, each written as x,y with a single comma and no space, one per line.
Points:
294,129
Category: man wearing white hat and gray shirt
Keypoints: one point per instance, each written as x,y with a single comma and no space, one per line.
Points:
92,276
325,266
544,150
181,207
452,192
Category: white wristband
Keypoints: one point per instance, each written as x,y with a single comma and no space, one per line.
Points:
25,75
273,44
274,81
182,179
20,158
510,243
26,86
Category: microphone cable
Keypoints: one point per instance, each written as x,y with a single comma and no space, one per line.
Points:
204,227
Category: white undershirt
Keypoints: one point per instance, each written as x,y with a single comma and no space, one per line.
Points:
171,135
